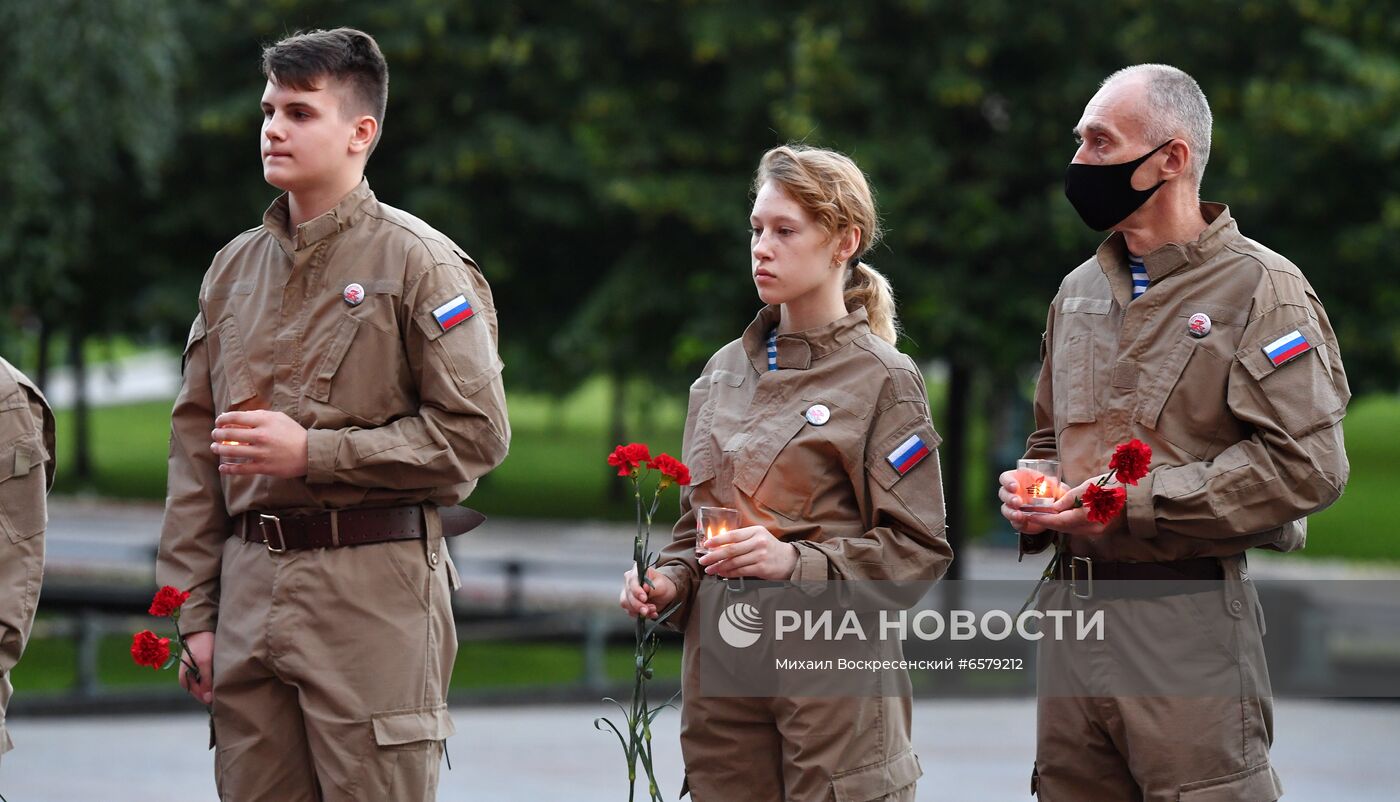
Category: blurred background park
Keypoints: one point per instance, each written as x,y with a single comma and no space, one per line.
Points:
594,156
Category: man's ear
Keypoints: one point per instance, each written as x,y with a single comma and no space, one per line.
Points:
1178,157
366,129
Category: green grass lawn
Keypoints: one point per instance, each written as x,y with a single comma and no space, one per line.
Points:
556,466
1359,526
48,665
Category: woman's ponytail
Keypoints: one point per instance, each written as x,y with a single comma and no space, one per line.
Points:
868,287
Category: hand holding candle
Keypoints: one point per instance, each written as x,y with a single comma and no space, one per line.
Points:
224,459
268,443
748,551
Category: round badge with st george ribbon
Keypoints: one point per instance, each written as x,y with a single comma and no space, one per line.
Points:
1199,325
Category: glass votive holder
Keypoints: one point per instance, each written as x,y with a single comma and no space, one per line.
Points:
1039,484
224,460
712,522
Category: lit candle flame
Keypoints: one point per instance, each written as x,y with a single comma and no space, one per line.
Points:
1039,488
711,533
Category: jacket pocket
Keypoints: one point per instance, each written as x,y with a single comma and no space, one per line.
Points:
1073,376
228,369
1259,784
412,729
774,470
319,388
1302,390
22,486
1073,379
361,372
876,781
1181,398
472,361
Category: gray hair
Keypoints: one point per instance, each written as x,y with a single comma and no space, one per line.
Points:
1176,108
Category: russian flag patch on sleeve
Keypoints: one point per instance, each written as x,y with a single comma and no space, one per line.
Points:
909,453
1290,345
453,312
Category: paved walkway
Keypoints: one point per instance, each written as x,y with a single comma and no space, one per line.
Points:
562,563
972,751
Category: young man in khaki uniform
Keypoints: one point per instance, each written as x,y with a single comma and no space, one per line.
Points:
341,395
26,474
1216,352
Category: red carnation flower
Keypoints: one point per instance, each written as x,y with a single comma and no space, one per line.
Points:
629,458
671,468
1104,503
167,601
149,650
1130,461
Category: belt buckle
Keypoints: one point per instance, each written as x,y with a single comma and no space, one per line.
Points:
263,518
1088,577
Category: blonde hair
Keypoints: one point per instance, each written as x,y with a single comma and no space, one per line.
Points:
831,188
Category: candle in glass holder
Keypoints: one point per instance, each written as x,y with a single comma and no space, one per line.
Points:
1039,483
712,522
232,460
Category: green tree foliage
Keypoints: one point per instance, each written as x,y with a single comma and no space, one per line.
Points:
595,156
88,100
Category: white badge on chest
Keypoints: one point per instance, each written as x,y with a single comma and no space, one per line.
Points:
818,415
354,294
1199,325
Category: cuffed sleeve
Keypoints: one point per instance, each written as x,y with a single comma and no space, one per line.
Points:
196,521
461,431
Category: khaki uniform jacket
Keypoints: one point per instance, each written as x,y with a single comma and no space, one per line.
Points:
829,489
399,410
26,474
1242,450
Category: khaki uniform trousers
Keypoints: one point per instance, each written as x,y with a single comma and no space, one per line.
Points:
331,669
798,749
788,748
1173,705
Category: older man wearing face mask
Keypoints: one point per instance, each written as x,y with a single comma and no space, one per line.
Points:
1216,352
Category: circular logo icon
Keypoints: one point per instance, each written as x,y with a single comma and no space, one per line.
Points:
1199,324
818,415
740,625
354,294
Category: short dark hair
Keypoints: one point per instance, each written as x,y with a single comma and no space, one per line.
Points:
345,54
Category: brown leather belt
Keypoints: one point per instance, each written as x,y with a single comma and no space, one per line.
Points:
352,527
1137,580
1199,568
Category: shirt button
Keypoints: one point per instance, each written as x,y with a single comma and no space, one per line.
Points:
432,558
1236,605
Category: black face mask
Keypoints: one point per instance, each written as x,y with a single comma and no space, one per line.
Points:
1103,194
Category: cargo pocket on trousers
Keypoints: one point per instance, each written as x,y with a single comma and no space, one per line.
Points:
409,744
1259,784
417,728
876,781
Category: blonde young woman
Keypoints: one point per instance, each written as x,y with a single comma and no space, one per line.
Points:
816,428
